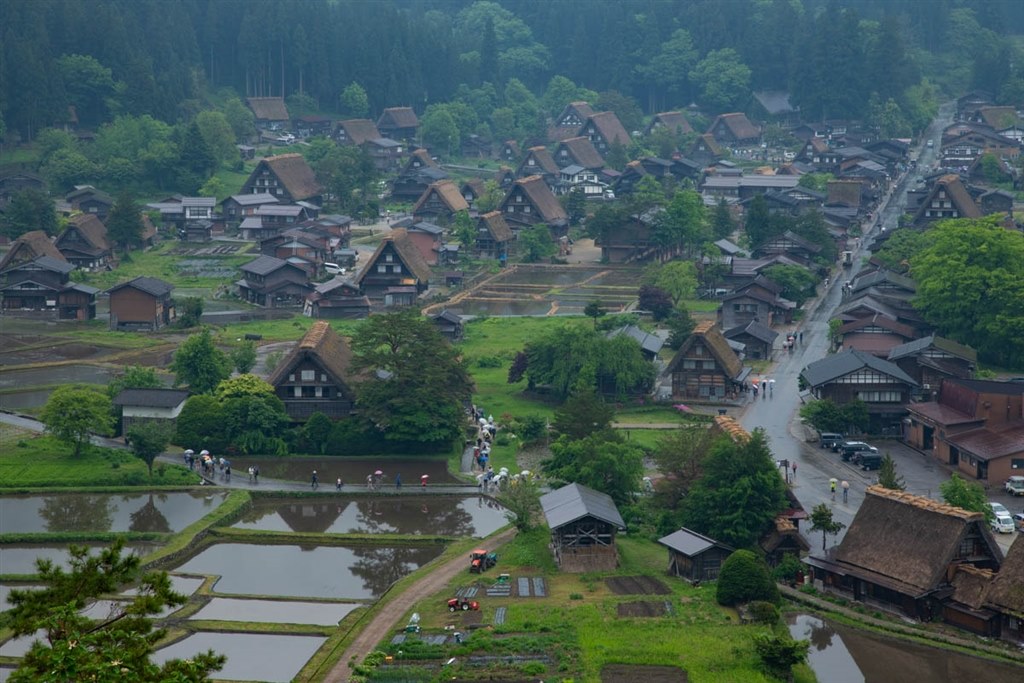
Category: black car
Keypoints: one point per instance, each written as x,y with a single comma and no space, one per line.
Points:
850,450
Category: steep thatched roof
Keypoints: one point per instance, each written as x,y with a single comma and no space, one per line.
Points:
447,192
90,228
608,125
29,247
738,124
581,151
322,345
1007,591
268,108
543,161
728,426
295,174
495,224
674,121
407,252
398,117
971,585
543,199
712,338
359,130
783,531
908,541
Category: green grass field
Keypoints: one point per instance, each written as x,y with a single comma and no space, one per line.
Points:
31,461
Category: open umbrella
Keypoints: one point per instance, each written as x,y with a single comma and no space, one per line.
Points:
833,480
379,473
683,408
424,476
190,452
204,452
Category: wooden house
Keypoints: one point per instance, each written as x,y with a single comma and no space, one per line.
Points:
336,299
931,359
419,172
354,132
568,122
88,199
734,129
902,551
439,203
43,286
650,344
706,368
510,152
238,206
578,151
450,325
705,149
976,426
631,240
274,283
143,303
790,244
583,525
313,125
694,557
13,181
285,176
396,274
754,304
472,189
30,246
784,538
530,201
538,162
673,121
1005,595
269,112
758,338
315,376
877,334
385,153
428,239
398,123
298,242
855,375
494,239
196,231
604,129
144,407
948,198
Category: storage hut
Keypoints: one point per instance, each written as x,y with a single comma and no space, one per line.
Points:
583,525
693,556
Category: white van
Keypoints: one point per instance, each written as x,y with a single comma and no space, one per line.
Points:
1002,522
334,269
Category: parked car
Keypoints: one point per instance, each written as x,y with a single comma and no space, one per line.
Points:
1002,522
850,449
1018,521
1015,486
869,461
830,439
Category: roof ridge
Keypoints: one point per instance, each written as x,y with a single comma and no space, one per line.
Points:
923,503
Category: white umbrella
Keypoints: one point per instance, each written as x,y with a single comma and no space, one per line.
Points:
204,452
379,473
190,452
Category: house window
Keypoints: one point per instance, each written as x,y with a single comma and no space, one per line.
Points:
519,198
381,268
389,258
708,364
510,209
308,375
689,365
526,209
323,377
1017,464
530,162
297,392
291,378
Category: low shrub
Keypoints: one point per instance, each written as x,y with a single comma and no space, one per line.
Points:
744,578
763,612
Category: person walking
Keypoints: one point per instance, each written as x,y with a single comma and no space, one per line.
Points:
794,471
337,486
255,474
398,481
846,491
315,481
832,484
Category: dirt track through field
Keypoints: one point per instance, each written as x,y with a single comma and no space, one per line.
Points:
388,618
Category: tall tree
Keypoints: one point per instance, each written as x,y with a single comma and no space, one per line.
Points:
425,385
124,225
888,476
115,648
199,364
354,102
73,414
822,520
739,494
29,209
582,413
967,495
148,440
601,461
724,80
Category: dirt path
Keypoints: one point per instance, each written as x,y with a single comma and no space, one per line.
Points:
387,619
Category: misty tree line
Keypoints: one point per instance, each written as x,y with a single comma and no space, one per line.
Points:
164,58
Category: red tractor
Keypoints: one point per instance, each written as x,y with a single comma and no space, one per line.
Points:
481,560
464,604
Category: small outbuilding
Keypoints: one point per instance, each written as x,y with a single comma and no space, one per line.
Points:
693,556
143,406
583,525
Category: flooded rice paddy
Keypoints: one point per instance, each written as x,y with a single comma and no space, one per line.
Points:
275,611
353,573
840,654
21,558
102,512
352,471
250,656
423,515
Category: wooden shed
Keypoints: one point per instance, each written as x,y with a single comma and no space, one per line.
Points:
583,525
693,556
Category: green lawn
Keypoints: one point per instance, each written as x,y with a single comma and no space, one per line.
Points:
28,461
161,263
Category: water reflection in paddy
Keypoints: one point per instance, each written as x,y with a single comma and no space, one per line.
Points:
275,611
358,572
352,471
250,656
431,515
100,512
21,559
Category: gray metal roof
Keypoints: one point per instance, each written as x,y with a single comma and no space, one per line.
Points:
689,543
151,398
149,285
840,364
264,265
575,501
648,342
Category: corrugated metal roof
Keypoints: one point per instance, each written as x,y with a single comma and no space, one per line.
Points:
575,501
689,543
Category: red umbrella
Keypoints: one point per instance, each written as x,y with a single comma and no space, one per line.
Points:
683,408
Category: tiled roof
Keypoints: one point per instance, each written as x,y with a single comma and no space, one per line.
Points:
845,362
149,285
151,398
941,343
264,265
989,443
254,199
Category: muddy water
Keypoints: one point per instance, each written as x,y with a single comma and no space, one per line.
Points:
352,471
431,515
357,572
275,611
840,654
250,656
151,512
21,559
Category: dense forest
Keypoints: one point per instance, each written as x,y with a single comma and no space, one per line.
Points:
166,57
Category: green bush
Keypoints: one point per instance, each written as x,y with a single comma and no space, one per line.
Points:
763,612
489,362
744,577
788,569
